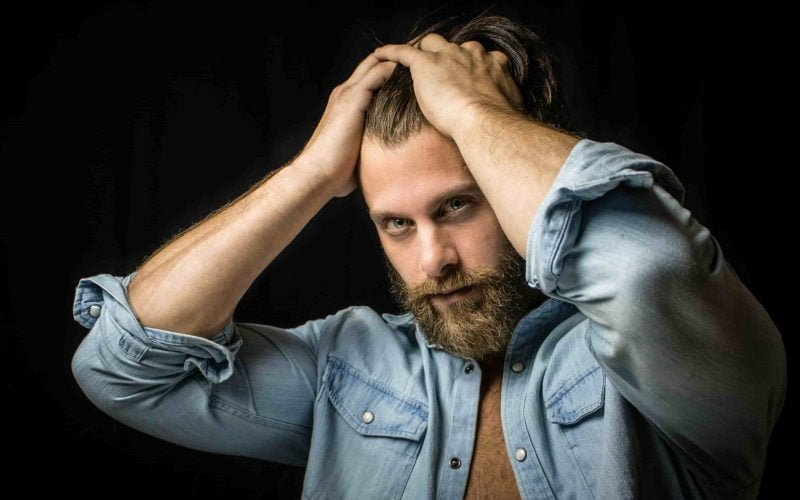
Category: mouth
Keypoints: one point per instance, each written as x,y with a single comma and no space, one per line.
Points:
453,295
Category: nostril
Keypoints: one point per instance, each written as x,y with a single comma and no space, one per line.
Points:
448,269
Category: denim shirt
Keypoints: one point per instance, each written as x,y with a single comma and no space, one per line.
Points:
650,371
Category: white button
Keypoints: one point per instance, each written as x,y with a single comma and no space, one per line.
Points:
94,311
368,417
517,367
521,454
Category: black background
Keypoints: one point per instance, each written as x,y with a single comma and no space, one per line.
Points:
124,122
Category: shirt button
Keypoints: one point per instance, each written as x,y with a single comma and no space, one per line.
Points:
469,368
367,417
517,367
521,454
94,311
455,463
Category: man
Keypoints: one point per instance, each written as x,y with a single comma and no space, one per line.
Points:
572,332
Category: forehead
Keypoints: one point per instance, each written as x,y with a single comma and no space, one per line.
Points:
411,174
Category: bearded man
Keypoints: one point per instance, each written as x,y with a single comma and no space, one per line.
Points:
571,331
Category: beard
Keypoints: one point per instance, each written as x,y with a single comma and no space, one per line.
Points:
480,325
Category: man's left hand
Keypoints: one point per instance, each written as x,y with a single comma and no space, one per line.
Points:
450,79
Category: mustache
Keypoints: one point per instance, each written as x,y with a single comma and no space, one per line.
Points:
454,281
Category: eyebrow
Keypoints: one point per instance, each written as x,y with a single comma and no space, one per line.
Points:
466,187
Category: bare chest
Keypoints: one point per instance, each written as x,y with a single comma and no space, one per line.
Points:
490,475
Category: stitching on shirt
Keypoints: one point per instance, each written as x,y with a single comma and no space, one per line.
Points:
132,347
223,405
551,258
422,408
569,384
383,429
290,331
238,362
573,453
414,410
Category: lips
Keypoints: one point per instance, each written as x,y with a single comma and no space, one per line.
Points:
452,290
453,295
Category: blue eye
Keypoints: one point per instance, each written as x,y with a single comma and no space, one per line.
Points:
396,225
455,204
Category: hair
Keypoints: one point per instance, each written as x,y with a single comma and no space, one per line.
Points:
393,114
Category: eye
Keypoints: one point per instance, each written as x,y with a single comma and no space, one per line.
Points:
396,225
456,204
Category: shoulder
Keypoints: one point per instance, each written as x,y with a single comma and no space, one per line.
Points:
360,321
362,329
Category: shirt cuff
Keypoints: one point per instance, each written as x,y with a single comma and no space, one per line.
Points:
591,169
105,294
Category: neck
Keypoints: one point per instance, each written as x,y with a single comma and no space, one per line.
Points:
493,363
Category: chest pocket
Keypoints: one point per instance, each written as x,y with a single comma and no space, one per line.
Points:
367,436
574,388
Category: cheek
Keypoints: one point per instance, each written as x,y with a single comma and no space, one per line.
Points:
485,241
400,258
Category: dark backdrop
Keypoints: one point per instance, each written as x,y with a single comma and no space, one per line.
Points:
125,122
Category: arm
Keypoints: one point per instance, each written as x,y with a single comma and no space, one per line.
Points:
514,160
179,368
674,328
676,331
194,283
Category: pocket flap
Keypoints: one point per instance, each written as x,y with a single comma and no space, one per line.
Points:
371,407
574,384
577,398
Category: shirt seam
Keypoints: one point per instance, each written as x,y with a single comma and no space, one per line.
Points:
237,411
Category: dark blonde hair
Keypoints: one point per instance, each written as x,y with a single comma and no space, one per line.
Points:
393,114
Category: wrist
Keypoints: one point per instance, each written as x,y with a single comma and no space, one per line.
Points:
319,182
481,120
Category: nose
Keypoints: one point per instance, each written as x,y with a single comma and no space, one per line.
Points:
438,254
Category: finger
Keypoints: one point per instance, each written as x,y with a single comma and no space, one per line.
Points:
501,58
377,75
363,67
473,47
433,42
402,53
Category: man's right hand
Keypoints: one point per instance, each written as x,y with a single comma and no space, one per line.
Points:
336,142
194,282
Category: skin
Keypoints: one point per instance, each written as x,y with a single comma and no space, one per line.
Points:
468,95
193,283
429,212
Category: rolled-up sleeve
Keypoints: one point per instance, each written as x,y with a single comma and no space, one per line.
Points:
670,322
247,391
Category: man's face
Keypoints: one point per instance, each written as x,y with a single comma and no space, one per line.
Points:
449,261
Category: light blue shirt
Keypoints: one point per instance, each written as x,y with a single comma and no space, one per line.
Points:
650,371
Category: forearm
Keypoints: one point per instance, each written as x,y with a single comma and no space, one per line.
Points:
514,160
193,284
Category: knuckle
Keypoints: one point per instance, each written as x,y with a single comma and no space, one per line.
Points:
500,56
472,45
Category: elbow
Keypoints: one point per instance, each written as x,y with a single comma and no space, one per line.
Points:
91,376
105,379
95,376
